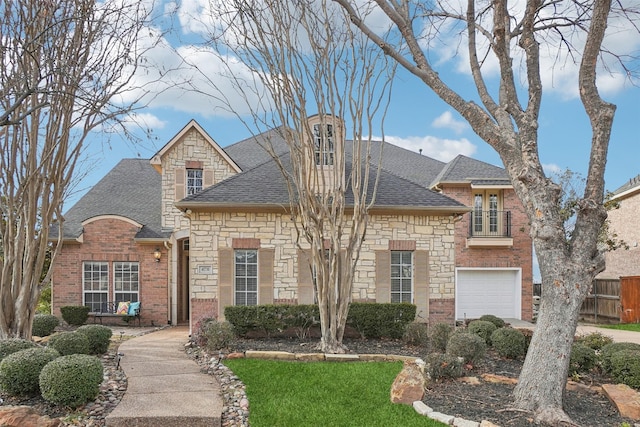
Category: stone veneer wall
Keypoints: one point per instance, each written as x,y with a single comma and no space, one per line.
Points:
192,147
520,255
111,240
624,222
211,231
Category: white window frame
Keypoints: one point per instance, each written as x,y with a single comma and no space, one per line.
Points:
98,282
126,276
324,144
194,180
489,203
243,275
402,272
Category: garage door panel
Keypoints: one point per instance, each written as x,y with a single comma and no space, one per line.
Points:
481,292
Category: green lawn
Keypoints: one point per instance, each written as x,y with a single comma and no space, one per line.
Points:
323,394
635,327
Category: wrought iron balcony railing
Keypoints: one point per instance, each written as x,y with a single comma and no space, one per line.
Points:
490,224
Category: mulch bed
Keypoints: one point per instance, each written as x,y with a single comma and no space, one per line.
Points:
484,401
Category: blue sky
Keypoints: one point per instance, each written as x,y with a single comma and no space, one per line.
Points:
417,119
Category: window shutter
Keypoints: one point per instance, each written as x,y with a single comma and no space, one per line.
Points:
265,276
383,276
179,183
421,285
305,279
225,280
207,179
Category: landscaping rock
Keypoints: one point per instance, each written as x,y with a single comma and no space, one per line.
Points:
408,385
25,416
626,399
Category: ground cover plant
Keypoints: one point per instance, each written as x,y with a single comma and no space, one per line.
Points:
322,393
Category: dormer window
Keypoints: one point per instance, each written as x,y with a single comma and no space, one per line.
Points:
323,144
194,181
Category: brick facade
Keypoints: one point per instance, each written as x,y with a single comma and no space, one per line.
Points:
624,222
112,240
519,255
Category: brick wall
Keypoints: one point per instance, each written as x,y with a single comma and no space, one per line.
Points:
520,255
624,222
111,240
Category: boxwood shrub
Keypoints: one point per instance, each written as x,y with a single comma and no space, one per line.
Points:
625,367
441,365
44,325
439,336
493,319
71,380
99,337
582,359
469,346
75,315
509,342
381,320
482,328
20,371
70,343
609,350
11,345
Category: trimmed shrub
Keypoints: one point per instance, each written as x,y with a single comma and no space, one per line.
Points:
20,371
582,359
75,314
272,319
482,328
443,366
44,325
528,335
609,350
99,337
466,345
416,334
373,320
71,380
70,343
493,319
509,342
625,367
11,345
439,336
594,340
214,335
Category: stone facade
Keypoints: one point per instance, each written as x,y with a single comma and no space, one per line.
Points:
111,239
212,231
624,222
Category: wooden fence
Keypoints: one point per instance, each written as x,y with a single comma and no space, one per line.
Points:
602,305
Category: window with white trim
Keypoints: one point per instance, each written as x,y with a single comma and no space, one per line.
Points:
95,285
323,144
126,281
246,276
194,181
401,276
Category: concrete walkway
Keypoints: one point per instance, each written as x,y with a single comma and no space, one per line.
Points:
584,329
165,387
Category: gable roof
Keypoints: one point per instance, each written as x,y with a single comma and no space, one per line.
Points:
465,170
132,189
156,160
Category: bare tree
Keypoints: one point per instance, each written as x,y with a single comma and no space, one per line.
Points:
64,67
507,119
317,81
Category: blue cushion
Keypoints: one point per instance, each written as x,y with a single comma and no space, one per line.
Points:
133,307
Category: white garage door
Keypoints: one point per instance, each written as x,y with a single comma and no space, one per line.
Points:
494,292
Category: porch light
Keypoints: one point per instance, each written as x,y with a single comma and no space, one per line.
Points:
157,255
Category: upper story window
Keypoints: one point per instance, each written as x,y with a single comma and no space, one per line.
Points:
488,219
194,181
323,140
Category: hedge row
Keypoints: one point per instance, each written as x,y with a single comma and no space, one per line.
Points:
370,320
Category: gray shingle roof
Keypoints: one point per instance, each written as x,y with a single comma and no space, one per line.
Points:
131,189
265,185
632,183
466,169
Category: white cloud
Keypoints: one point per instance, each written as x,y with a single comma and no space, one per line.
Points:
438,148
447,121
551,169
